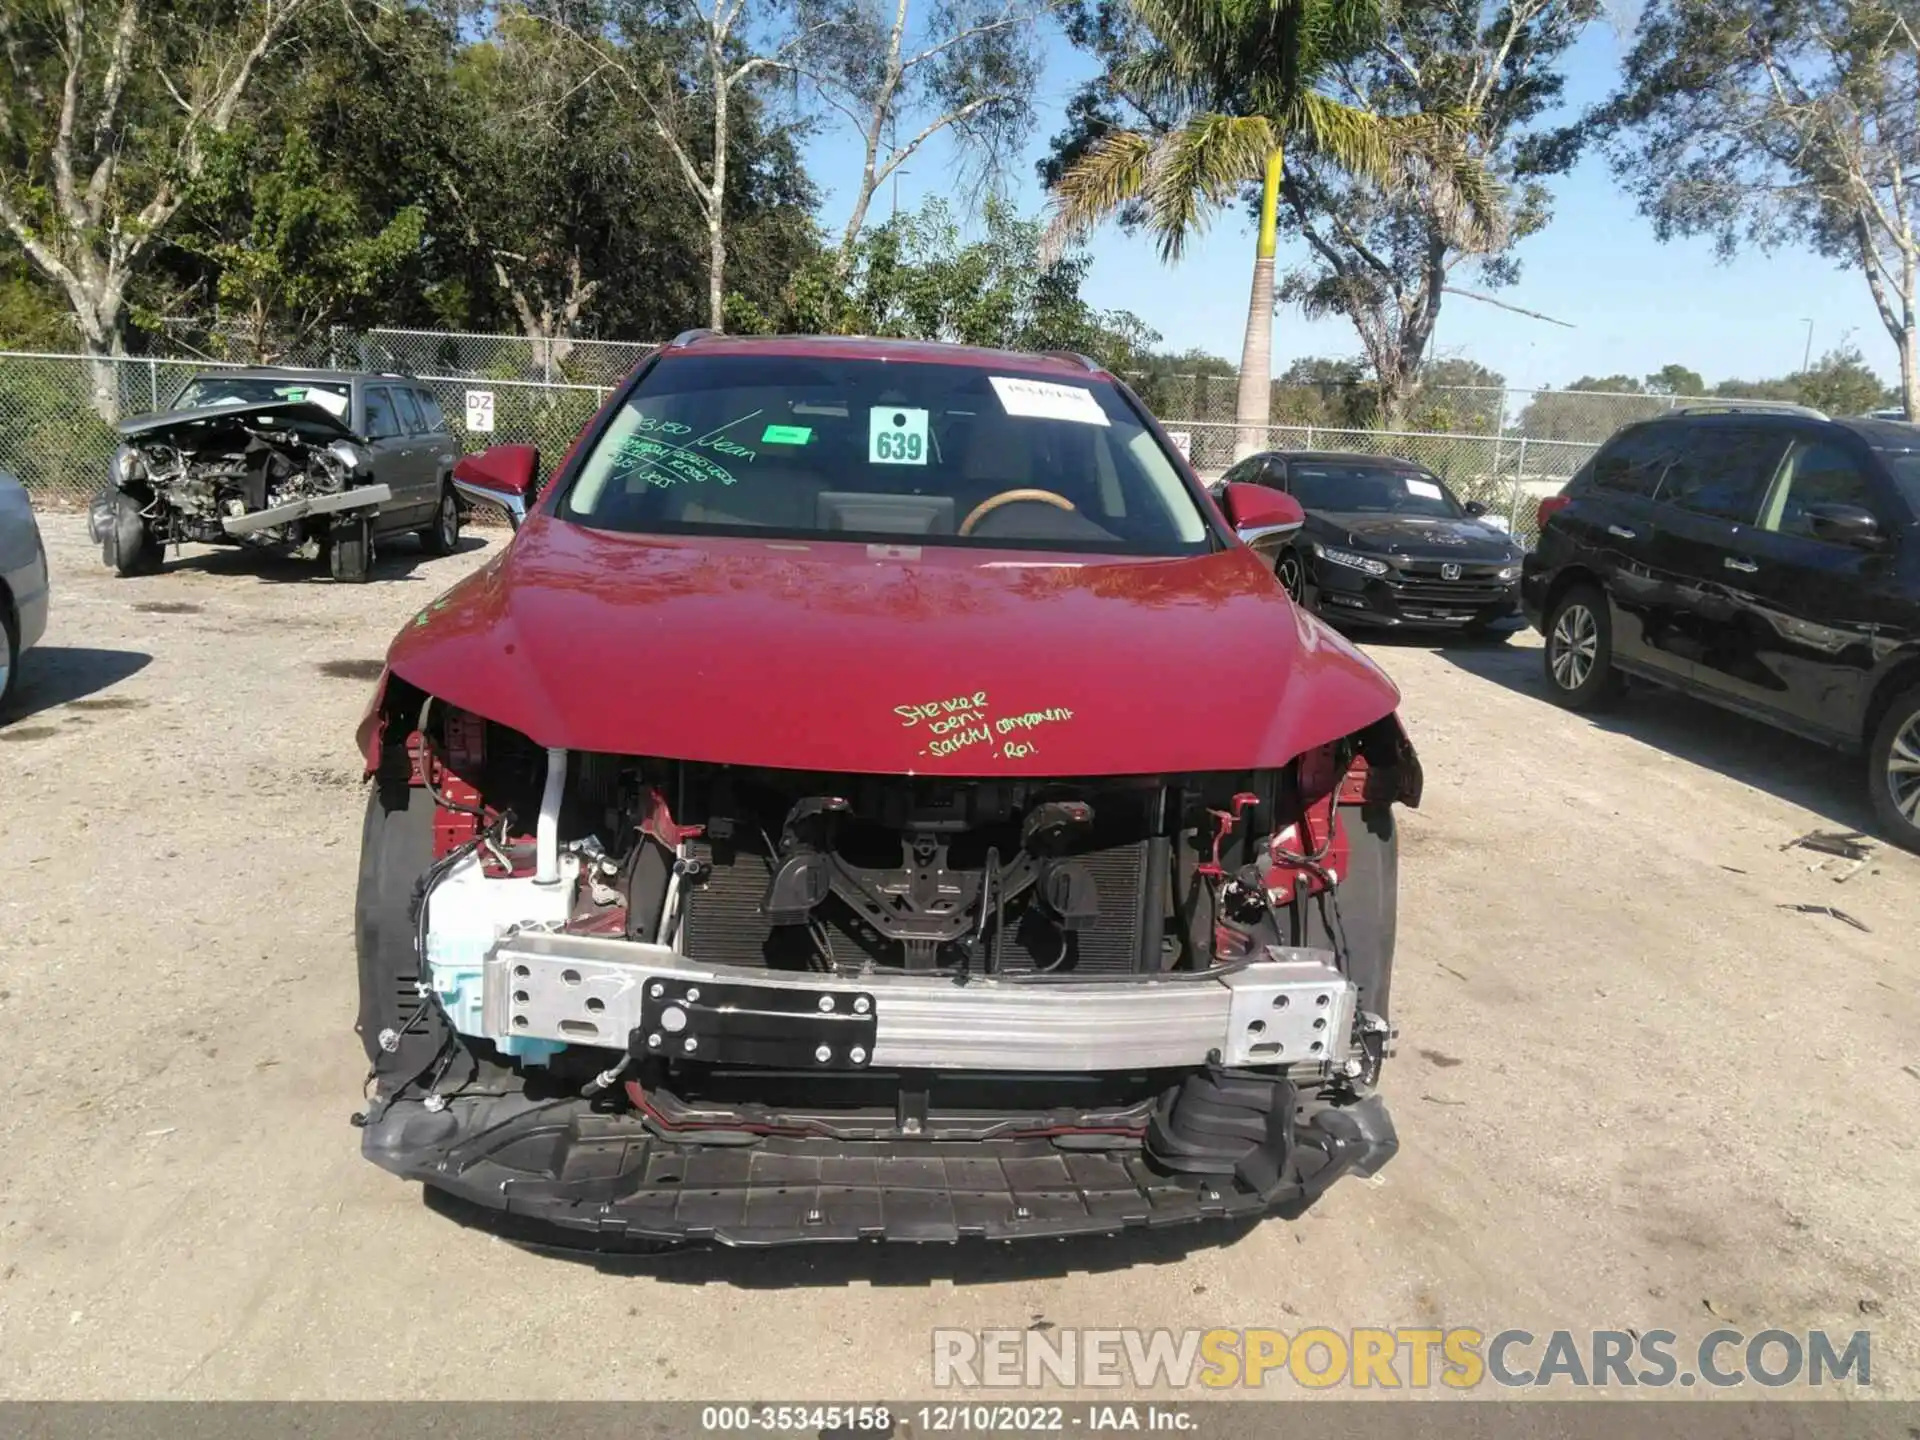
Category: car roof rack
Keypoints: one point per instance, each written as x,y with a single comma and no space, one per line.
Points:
1751,407
1075,356
687,337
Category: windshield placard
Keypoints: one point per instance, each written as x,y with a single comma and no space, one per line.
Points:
1039,400
896,435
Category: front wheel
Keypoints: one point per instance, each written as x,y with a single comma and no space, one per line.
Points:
1893,770
130,546
1579,653
1293,576
350,556
442,537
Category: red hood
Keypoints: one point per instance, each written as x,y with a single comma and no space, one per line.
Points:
848,657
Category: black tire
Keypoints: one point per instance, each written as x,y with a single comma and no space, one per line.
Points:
350,555
1367,906
131,548
9,653
1579,651
396,847
1292,571
1893,770
442,537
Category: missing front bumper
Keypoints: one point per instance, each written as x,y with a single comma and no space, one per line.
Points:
606,1179
1293,1008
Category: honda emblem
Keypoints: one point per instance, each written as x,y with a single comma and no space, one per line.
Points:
1449,571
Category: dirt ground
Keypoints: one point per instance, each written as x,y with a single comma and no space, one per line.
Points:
1631,1089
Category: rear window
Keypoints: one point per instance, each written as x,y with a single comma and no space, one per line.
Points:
797,446
1370,489
1633,463
260,390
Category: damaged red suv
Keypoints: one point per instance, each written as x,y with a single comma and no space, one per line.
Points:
876,793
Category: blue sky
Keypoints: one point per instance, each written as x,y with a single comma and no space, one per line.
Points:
1636,304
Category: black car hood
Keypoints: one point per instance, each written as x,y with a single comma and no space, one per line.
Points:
1427,536
304,415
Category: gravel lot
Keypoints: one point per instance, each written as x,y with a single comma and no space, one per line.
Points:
1631,1090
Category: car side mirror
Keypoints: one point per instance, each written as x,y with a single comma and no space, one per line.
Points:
501,476
1473,508
1259,512
1844,525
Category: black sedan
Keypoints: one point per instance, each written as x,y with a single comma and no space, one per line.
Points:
1386,543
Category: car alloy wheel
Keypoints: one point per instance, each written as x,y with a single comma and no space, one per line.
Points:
1903,771
449,521
1573,646
1292,577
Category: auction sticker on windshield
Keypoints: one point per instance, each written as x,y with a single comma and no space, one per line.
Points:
1039,400
896,435
1425,489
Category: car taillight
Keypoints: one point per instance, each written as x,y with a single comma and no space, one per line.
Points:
1550,507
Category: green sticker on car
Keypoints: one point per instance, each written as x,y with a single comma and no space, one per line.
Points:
785,435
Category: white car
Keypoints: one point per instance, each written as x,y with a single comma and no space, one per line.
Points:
23,583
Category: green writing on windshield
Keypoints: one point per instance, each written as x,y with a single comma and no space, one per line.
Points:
785,435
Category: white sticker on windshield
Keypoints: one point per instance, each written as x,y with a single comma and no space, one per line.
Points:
1425,489
1039,400
896,436
334,404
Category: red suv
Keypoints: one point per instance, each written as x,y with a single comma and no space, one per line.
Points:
876,793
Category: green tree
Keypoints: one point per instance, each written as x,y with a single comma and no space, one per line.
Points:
1839,383
917,277
1789,122
291,249
107,118
1216,91
1675,380
1386,257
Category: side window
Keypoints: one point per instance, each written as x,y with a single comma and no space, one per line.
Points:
1633,463
1247,472
409,411
1722,471
1817,472
382,423
1272,473
430,411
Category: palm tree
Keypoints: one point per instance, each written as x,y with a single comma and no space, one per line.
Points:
1227,86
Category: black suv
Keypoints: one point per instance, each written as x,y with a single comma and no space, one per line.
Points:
1388,544
1768,562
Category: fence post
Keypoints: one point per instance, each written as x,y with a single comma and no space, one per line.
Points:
1309,437
153,382
1519,476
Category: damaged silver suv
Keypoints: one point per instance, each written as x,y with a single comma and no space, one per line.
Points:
313,462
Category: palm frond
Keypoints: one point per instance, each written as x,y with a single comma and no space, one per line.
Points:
1355,139
1111,173
1199,168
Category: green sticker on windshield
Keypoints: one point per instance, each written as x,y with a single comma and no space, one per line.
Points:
896,436
785,435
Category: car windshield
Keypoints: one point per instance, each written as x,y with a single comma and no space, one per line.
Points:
877,450
1370,490
260,390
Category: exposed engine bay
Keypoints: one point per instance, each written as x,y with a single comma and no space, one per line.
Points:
1155,968
284,473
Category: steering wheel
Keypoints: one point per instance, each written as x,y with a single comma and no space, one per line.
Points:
1010,497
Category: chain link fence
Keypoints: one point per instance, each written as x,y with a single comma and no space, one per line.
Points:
55,438
1579,416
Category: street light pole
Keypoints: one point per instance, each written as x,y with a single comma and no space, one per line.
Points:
1806,356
